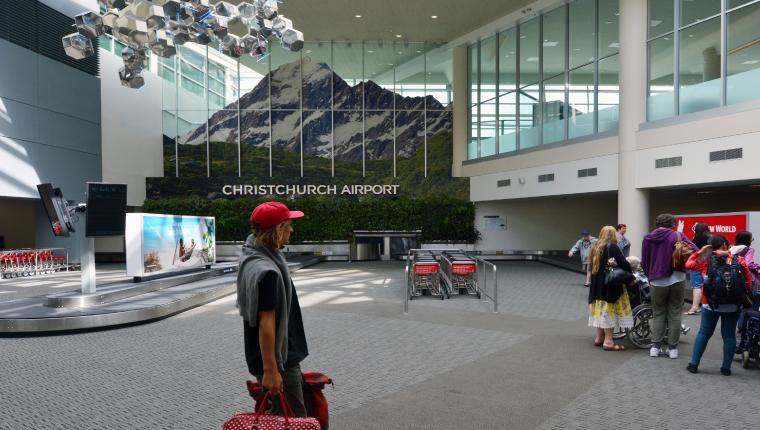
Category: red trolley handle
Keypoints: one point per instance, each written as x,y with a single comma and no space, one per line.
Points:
287,411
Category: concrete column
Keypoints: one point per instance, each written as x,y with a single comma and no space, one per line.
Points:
461,110
633,203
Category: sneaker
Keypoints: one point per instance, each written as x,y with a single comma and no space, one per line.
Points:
692,368
725,372
673,353
654,351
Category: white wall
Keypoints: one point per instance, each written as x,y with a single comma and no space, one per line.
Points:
72,7
131,134
693,138
545,223
566,180
131,129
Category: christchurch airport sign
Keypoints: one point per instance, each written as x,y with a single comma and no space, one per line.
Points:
304,190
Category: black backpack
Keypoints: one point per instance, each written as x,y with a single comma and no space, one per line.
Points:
725,281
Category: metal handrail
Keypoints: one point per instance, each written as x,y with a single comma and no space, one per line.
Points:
483,290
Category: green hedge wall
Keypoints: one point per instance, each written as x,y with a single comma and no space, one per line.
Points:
439,218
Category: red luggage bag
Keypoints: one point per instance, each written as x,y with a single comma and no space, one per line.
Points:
260,420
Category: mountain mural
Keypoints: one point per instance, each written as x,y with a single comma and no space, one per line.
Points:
345,120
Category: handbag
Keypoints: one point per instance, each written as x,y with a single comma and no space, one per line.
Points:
261,420
681,253
615,276
314,399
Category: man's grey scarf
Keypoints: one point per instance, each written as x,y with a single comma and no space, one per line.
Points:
255,261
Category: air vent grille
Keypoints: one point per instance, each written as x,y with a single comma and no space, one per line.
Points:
504,183
39,28
549,177
585,173
726,154
661,163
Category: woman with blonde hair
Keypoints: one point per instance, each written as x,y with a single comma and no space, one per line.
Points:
608,303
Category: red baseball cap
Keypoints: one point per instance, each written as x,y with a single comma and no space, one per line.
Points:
269,214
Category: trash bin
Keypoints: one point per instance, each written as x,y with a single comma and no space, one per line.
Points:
365,248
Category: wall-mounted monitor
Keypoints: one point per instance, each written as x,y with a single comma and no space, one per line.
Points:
106,209
56,210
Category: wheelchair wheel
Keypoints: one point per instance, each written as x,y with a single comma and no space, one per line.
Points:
745,359
641,333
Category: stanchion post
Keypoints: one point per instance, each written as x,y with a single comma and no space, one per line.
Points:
495,290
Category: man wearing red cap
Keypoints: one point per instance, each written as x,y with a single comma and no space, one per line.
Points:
275,342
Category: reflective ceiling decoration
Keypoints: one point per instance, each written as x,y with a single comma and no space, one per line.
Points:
159,26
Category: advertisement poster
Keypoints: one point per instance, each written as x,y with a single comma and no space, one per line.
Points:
173,243
725,224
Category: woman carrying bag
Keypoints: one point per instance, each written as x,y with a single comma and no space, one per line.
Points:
608,303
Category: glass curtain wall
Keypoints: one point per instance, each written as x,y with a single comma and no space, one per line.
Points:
332,109
702,54
547,80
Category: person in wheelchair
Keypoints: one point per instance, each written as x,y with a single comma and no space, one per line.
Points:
640,287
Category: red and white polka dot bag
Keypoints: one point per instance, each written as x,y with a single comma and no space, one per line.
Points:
261,420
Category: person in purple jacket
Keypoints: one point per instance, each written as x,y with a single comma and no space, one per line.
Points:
667,284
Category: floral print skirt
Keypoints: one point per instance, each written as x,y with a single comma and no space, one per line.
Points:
602,314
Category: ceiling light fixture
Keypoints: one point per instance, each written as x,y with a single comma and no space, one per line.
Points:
399,36
357,16
434,16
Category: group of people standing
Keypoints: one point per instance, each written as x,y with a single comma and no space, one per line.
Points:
721,277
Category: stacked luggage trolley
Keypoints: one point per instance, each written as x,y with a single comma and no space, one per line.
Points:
16,263
443,273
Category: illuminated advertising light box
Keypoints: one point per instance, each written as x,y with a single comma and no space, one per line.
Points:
726,224
160,244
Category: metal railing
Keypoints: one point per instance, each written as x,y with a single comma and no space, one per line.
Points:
493,295
483,267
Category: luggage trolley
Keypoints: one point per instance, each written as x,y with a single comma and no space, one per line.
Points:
459,273
426,275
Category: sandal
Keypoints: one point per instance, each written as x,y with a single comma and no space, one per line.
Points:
598,343
614,347
691,312
587,285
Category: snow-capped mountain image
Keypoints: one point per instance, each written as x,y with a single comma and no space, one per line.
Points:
319,117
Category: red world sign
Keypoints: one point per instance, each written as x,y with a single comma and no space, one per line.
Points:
726,225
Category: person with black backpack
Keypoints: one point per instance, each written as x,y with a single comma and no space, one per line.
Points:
727,281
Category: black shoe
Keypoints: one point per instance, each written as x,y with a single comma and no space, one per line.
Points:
692,368
725,372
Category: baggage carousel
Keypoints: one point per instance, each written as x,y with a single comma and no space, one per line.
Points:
122,302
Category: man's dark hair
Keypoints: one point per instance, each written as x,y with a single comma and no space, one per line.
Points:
619,226
717,241
744,238
701,229
665,220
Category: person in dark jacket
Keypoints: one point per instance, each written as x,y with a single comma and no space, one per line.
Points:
273,332
701,236
667,284
609,306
